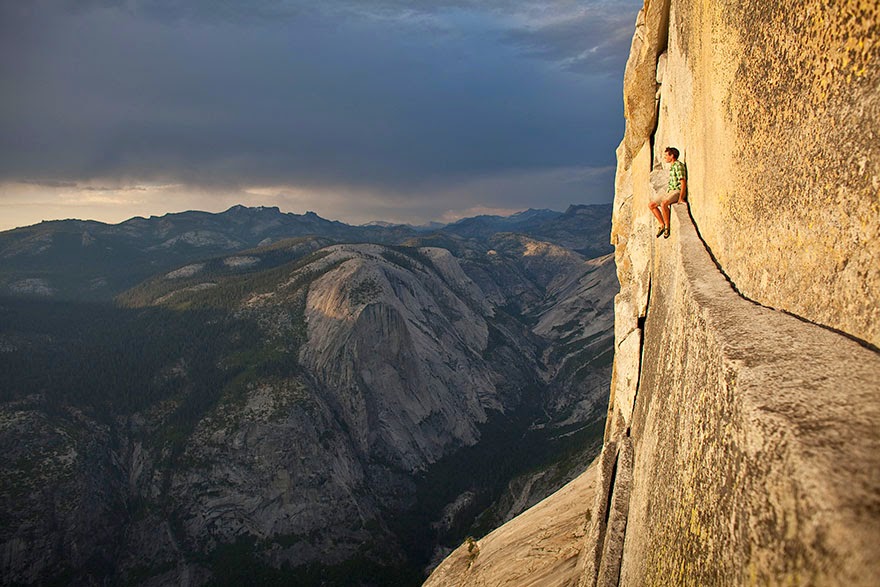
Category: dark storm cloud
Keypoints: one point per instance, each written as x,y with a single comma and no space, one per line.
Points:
595,40
383,95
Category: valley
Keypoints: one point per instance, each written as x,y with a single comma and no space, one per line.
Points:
339,406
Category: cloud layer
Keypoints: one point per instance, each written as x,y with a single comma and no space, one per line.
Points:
352,108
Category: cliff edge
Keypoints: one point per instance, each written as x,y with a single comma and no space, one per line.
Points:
745,410
742,444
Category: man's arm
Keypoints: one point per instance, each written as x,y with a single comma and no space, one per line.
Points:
682,197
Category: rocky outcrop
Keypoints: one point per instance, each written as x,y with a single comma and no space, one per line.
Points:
381,330
53,506
745,377
783,149
539,547
753,433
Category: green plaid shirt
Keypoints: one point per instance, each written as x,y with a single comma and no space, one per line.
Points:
677,173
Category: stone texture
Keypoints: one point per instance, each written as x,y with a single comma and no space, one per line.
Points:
783,149
755,434
538,548
756,439
618,508
640,82
591,554
379,330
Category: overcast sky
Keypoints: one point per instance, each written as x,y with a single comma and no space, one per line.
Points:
358,110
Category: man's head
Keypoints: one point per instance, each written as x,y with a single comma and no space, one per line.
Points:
671,153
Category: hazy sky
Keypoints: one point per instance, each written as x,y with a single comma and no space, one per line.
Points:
359,110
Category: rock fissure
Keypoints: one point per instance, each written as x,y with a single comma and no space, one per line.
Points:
618,508
685,276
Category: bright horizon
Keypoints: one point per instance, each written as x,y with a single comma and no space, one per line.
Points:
447,219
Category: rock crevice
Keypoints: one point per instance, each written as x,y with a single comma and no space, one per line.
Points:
753,426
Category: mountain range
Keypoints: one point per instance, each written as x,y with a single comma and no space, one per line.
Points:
255,396
88,260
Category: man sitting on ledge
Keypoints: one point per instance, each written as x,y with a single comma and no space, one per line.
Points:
676,191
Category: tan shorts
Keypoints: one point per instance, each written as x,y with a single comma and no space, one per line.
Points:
668,197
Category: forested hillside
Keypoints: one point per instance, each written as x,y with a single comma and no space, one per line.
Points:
298,411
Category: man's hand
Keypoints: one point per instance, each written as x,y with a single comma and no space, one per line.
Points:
682,196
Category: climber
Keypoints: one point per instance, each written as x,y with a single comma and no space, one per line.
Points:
676,191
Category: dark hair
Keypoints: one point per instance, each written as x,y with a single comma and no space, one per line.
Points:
672,151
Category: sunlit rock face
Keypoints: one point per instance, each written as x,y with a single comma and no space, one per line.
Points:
740,435
783,149
538,547
381,327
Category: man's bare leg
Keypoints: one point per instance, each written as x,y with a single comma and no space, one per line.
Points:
656,213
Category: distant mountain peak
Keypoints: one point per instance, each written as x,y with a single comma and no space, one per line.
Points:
533,212
240,208
382,224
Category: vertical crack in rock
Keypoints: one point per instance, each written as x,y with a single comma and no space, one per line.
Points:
616,519
591,555
638,375
731,471
600,562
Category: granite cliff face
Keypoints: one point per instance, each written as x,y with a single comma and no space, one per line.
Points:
774,109
743,436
